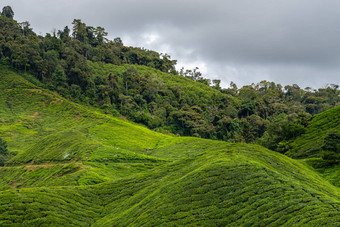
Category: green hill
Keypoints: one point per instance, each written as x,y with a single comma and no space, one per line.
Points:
74,165
145,87
310,143
309,146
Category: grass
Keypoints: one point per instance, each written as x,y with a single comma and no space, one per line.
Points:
76,166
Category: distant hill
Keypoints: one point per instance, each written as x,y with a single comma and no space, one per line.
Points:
76,165
310,143
309,146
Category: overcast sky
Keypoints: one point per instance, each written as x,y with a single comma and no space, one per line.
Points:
244,41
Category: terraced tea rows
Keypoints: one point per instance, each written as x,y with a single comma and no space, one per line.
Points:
76,166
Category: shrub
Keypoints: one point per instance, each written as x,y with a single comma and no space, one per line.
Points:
3,152
331,146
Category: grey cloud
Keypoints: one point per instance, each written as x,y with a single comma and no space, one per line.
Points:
245,41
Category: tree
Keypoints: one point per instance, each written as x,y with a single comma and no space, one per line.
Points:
193,74
128,78
227,128
281,130
118,41
65,34
168,65
252,127
25,28
59,78
4,154
100,34
7,12
216,84
79,30
247,108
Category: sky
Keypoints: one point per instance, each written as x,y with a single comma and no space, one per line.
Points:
244,41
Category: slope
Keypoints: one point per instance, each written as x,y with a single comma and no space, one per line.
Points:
238,185
308,147
309,144
43,129
234,184
74,165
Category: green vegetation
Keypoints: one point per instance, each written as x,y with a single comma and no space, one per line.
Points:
69,156
7,12
143,86
312,142
331,146
77,165
319,145
3,152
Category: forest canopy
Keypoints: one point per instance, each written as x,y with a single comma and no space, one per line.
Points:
83,65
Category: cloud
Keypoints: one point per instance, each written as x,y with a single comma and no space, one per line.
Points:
243,41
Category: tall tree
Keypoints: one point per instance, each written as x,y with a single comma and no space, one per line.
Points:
25,28
79,30
65,34
7,12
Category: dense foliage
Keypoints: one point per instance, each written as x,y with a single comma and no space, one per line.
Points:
143,85
331,146
321,134
7,12
83,164
4,154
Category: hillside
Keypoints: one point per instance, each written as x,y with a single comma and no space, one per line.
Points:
84,66
309,144
75,165
54,130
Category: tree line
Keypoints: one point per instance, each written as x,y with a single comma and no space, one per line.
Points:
73,64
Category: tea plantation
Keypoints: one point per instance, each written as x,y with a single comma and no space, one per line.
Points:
309,146
74,165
